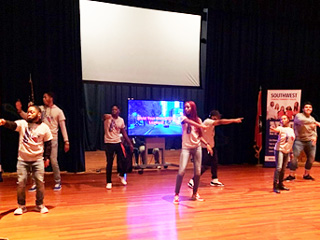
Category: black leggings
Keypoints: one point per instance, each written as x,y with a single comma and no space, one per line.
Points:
210,161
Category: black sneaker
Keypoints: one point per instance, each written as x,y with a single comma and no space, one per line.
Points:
290,178
308,177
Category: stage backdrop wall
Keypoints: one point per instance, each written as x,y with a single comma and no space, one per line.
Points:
42,38
249,44
272,44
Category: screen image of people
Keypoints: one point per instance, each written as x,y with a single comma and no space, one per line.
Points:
275,111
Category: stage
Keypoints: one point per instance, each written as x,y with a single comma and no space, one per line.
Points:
245,208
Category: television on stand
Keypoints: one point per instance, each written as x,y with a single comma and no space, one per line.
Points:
154,120
149,118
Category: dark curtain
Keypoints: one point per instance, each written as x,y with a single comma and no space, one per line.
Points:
41,38
272,44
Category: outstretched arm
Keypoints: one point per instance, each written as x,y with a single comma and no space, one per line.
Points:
191,122
277,130
228,121
8,124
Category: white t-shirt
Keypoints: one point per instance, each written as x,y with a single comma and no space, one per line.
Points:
209,133
31,140
112,129
285,139
305,127
190,138
52,116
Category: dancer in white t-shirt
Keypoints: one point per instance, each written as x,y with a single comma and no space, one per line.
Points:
113,127
282,150
209,160
33,155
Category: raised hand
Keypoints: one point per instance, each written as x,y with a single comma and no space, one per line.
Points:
18,106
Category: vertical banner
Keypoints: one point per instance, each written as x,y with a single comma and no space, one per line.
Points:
279,102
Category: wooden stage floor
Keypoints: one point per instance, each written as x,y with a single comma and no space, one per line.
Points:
246,208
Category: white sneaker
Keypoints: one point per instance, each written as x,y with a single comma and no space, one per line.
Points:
33,188
176,199
41,209
196,197
57,187
215,183
109,186
190,183
123,180
20,210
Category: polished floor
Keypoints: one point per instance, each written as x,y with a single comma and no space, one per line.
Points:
245,208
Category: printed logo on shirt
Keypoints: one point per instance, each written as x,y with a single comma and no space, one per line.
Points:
112,126
49,119
29,136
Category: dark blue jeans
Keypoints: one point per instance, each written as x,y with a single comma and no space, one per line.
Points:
281,163
309,150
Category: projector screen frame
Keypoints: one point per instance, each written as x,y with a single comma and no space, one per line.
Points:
170,8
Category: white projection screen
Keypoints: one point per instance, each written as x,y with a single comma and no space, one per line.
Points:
136,45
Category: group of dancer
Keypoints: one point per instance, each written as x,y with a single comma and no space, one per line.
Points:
38,147
303,137
194,132
198,143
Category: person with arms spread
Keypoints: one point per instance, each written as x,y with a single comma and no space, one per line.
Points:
33,155
209,160
282,149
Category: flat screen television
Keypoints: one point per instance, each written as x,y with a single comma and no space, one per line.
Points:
150,118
